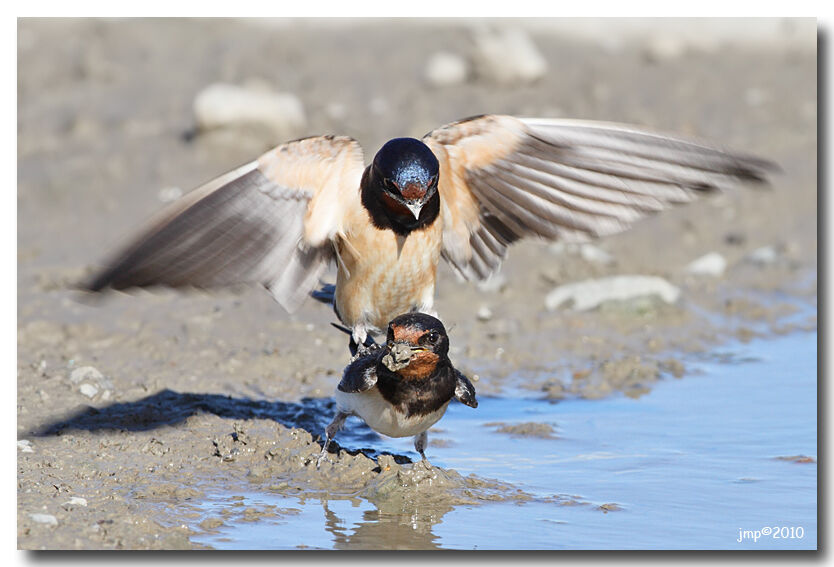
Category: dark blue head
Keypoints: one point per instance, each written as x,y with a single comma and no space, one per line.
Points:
406,172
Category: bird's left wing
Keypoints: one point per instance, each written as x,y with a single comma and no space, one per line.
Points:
270,222
464,390
504,178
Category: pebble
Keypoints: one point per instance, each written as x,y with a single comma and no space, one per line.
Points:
763,256
25,446
589,294
484,313
594,254
88,390
85,373
508,57
712,264
445,69
47,519
223,105
75,501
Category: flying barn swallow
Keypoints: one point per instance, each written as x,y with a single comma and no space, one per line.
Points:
464,192
403,388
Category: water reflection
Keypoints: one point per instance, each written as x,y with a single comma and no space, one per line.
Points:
389,525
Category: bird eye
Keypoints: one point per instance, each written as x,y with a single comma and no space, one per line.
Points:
432,337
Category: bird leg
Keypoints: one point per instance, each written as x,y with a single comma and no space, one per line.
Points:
330,432
420,441
360,341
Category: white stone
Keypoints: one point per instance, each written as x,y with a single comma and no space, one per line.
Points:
508,56
712,264
85,373
484,313
25,446
591,253
589,294
763,256
88,390
47,519
76,501
445,69
224,105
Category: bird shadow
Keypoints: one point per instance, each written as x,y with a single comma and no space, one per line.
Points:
168,407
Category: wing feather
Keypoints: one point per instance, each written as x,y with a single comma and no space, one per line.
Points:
270,222
505,178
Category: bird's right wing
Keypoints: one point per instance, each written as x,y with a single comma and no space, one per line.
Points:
360,374
270,222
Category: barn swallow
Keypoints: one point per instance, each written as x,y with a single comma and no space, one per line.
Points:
464,192
403,388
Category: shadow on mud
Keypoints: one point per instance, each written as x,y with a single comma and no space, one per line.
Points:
168,407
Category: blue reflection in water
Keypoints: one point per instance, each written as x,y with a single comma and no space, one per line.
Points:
692,465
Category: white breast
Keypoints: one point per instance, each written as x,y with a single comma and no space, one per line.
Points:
380,415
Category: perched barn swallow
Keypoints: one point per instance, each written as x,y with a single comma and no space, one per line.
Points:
464,192
403,388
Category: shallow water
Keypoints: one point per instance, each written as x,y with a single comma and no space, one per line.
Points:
694,464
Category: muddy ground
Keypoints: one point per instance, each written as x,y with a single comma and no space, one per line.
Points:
133,407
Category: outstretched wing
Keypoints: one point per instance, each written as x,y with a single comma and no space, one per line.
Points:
505,178
270,222
464,390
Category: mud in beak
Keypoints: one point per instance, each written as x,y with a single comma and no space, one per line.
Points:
399,356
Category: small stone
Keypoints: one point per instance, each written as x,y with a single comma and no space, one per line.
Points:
88,373
223,105
484,313
445,69
712,264
88,390
47,519
763,256
76,501
508,57
25,446
594,254
589,294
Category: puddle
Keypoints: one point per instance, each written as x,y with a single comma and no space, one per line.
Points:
698,463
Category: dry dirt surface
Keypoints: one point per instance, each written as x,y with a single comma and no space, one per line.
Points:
133,405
